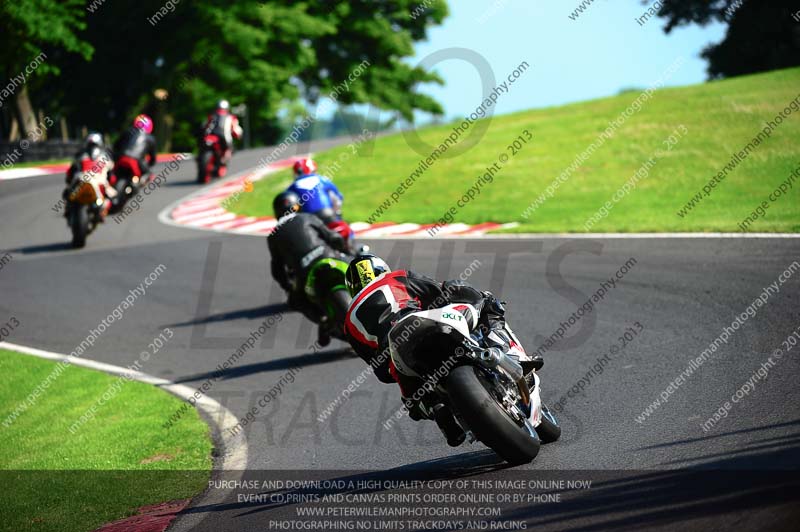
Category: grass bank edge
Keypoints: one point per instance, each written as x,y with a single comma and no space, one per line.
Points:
119,461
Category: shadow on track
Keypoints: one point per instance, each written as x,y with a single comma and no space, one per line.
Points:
720,490
749,456
782,449
44,248
281,364
794,423
715,499
249,314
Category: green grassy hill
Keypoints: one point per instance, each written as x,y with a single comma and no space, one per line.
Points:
719,118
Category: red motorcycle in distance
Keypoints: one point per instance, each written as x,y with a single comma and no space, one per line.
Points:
127,178
209,160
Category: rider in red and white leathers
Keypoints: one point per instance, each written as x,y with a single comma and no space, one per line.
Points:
382,296
92,165
225,125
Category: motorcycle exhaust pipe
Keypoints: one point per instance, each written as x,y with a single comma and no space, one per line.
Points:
494,358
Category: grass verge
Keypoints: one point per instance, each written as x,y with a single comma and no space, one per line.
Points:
118,461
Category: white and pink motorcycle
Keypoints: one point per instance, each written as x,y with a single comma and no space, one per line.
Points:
494,396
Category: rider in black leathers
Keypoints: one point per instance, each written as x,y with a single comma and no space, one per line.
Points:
295,244
138,143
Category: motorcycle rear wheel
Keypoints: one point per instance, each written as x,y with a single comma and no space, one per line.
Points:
487,420
205,167
79,223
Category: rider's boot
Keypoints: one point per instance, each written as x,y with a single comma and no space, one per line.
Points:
443,417
323,335
448,425
422,406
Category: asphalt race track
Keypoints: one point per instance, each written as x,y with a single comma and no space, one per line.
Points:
216,289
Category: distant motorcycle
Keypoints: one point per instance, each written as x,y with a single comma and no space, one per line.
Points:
209,160
127,179
86,203
491,395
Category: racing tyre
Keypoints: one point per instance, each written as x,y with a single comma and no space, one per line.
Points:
548,430
487,420
79,223
340,301
205,167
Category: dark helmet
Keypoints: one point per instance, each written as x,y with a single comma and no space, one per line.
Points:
285,203
362,270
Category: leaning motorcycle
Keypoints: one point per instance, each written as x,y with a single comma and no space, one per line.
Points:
85,208
209,160
493,396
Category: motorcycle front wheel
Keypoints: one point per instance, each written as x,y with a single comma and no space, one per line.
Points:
548,430
490,423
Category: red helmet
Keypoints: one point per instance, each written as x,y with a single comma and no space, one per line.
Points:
304,167
143,122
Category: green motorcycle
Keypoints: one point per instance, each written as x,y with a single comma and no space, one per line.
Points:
325,287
